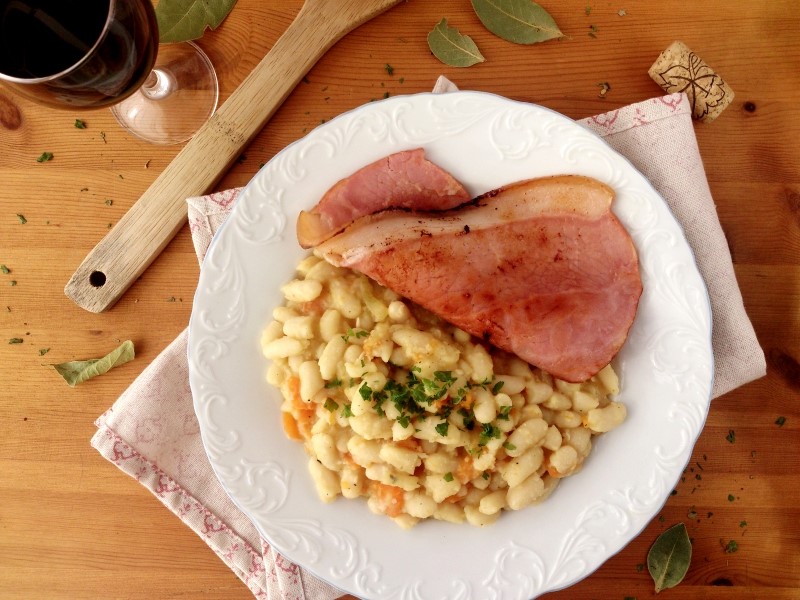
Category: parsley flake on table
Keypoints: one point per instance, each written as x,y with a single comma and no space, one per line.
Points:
731,497
15,341
22,219
5,270
731,547
13,282
780,421
389,69
44,157
731,437
79,124
43,351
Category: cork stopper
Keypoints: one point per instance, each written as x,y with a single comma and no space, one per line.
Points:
678,69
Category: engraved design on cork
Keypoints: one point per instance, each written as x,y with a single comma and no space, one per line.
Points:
678,69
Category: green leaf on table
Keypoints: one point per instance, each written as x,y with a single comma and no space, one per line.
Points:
78,371
184,20
453,48
518,21
669,557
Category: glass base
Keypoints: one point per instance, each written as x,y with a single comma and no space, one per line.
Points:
180,95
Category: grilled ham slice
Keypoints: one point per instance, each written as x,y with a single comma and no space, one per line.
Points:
541,268
402,180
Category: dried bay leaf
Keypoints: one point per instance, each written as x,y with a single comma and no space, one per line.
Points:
78,371
669,557
184,20
518,21
453,48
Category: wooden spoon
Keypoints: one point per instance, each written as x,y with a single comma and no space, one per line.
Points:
140,236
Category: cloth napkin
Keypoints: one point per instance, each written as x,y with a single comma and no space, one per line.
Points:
152,434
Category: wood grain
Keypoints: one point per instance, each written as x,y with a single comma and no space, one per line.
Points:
72,526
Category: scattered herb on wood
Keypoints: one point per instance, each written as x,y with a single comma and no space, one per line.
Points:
84,189
588,10
43,351
45,157
742,523
517,21
184,20
5,269
79,124
731,497
731,437
731,547
605,87
640,567
389,69
780,421
103,136
15,341
692,514
22,219
453,48
78,371
109,202
669,558
593,31
13,282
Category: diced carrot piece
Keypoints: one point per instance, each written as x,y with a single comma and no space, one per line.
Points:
389,497
290,427
294,388
305,421
465,471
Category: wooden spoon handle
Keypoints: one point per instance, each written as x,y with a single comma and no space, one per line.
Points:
143,232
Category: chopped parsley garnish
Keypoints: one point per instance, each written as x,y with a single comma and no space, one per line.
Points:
5,269
504,413
356,334
442,428
488,432
389,69
80,124
44,157
346,411
448,476
403,420
509,446
333,383
731,547
497,387
365,391
15,341
731,497
43,351
742,523
330,405
485,475
731,437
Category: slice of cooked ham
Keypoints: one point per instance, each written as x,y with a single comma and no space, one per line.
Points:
402,180
541,268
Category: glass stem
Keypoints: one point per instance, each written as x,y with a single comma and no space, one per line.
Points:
159,84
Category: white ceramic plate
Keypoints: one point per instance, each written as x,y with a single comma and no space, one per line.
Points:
665,366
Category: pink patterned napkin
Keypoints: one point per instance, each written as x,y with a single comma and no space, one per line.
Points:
152,434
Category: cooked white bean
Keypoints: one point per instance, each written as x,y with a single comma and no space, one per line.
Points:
302,290
525,436
525,493
325,480
493,503
519,468
283,348
607,418
310,380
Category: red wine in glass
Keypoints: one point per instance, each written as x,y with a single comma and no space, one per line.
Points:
95,53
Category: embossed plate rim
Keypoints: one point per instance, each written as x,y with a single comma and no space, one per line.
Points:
486,141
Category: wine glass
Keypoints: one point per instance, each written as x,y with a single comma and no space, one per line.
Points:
93,53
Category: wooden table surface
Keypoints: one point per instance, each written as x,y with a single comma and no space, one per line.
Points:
73,526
